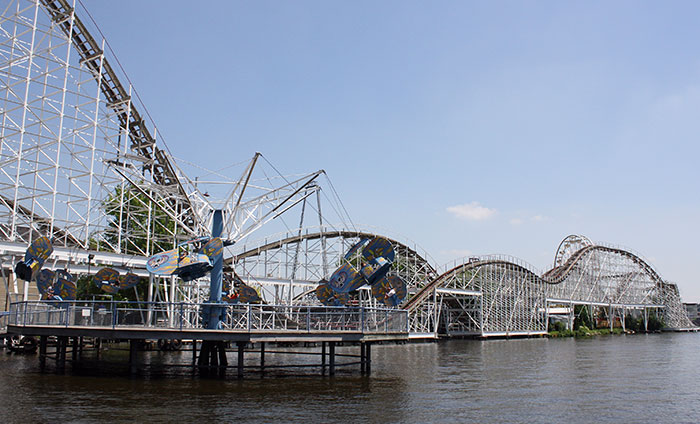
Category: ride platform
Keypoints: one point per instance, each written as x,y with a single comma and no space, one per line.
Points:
244,325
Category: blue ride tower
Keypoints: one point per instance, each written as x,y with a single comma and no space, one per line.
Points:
214,313
212,355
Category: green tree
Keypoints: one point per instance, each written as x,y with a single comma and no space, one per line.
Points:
633,323
582,317
655,322
142,227
138,222
88,290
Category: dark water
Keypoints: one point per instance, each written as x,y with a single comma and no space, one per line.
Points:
639,378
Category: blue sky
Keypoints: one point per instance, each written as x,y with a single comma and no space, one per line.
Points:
468,127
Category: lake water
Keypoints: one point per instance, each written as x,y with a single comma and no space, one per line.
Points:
633,378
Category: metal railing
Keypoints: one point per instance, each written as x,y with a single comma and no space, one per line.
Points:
185,316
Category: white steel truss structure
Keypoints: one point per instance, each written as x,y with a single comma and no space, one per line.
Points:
287,268
82,163
75,141
495,295
503,296
80,158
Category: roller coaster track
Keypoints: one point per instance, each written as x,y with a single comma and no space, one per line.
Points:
553,276
416,300
291,265
92,56
327,234
577,262
559,274
45,223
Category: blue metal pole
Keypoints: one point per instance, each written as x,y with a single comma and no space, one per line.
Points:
216,273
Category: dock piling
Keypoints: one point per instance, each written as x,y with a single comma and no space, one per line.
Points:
42,352
368,358
61,343
133,345
74,353
241,352
262,359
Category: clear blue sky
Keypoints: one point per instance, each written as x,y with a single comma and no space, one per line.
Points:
468,127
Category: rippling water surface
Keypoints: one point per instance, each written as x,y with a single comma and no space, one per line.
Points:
638,378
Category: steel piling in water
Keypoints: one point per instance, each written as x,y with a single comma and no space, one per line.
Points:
331,358
262,358
239,364
42,352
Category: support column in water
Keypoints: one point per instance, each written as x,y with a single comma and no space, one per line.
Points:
217,272
331,358
213,352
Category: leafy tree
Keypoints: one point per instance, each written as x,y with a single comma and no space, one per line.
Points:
582,317
134,216
558,326
655,322
88,290
633,323
583,331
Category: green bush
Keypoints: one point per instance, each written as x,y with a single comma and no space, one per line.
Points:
558,326
563,333
634,324
87,290
582,317
655,323
583,331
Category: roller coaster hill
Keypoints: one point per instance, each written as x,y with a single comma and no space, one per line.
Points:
83,165
494,295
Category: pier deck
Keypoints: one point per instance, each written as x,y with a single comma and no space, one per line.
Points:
243,324
255,336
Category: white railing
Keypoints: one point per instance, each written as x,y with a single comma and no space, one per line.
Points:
185,316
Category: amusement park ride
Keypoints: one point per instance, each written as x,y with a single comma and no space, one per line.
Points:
88,184
195,258
53,285
368,262
376,259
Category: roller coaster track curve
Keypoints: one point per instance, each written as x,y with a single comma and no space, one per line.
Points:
553,276
594,274
328,234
